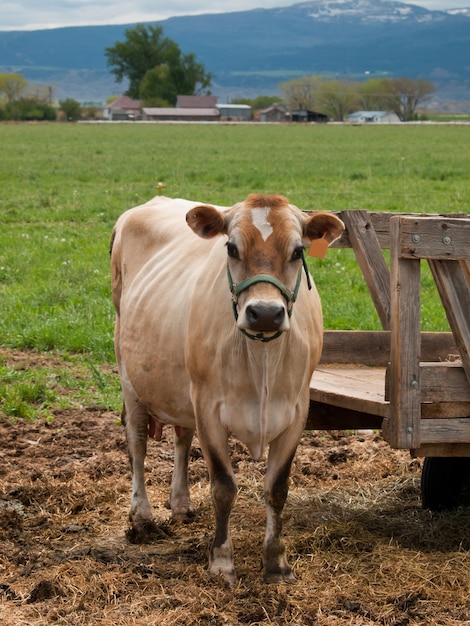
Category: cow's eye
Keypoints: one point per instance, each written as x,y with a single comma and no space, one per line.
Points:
232,250
297,254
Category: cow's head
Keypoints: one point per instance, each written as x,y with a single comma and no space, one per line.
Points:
265,249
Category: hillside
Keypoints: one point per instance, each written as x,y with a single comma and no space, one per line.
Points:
250,52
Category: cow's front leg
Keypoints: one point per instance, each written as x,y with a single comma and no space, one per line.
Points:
180,501
214,443
281,453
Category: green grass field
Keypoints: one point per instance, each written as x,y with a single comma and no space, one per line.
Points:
63,187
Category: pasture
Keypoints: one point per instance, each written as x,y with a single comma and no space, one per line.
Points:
363,550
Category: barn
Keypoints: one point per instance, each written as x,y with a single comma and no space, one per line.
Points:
234,112
175,114
275,113
373,117
304,115
123,109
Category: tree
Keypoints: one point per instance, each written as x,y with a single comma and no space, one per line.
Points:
259,103
301,93
12,86
71,108
29,109
373,94
337,98
155,65
404,95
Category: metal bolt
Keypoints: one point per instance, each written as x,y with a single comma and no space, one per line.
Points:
416,238
446,240
409,429
414,384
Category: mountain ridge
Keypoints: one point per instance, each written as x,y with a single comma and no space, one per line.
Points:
250,52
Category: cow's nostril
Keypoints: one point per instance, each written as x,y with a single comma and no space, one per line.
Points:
251,314
267,318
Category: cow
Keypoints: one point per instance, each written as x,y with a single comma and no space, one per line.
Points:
218,329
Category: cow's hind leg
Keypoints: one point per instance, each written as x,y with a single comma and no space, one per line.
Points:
281,454
180,501
143,527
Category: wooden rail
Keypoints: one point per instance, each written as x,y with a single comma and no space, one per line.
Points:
413,385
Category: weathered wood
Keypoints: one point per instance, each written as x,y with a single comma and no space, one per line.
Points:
404,431
425,406
324,416
381,224
371,261
444,382
440,382
357,389
441,431
435,238
438,410
372,347
442,449
452,285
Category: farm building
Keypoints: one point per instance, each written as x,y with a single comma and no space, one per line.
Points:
303,115
234,112
196,102
122,109
275,113
175,114
373,117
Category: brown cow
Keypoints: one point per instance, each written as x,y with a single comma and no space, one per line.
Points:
218,328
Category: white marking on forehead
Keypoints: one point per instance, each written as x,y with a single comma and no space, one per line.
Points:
260,220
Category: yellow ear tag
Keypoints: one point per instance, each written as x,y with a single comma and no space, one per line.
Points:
318,247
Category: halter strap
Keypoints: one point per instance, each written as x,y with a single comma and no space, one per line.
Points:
290,296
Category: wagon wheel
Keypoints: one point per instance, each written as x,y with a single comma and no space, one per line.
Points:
445,482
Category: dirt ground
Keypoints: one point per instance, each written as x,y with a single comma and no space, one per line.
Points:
362,548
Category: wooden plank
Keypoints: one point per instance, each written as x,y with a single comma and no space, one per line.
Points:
456,430
442,449
381,224
372,348
405,401
356,389
439,410
323,416
453,289
367,347
435,238
371,261
444,382
440,382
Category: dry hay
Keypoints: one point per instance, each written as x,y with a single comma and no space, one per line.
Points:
363,550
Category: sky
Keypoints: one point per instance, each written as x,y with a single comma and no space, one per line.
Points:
41,14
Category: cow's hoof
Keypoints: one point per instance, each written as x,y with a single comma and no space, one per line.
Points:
147,531
182,513
183,517
280,576
228,576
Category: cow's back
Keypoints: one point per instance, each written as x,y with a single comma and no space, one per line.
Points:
156,260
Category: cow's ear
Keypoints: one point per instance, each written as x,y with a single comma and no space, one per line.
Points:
323,225
206,221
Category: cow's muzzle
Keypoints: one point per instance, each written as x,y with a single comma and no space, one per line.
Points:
266,319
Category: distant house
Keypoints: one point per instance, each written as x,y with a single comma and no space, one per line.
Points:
275,113
303,115
234,112
183,114
373,117
123,108
196,102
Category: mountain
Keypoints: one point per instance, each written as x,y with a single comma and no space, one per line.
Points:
250,52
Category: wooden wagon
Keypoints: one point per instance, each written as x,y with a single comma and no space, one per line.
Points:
413,385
